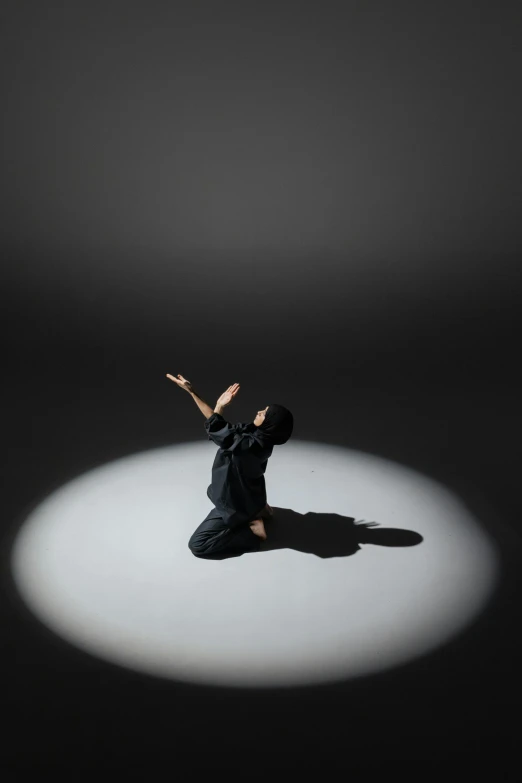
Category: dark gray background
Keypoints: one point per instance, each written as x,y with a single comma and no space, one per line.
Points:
320,201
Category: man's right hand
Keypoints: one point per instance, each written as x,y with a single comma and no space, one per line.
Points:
182,383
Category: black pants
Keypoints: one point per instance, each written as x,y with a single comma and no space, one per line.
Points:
213,540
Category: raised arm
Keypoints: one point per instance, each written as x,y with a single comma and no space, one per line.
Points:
205,409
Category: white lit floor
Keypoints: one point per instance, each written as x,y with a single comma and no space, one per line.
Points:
104,562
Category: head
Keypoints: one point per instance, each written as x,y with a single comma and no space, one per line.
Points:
260,417
275,424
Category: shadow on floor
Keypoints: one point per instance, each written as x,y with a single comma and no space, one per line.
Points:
329,535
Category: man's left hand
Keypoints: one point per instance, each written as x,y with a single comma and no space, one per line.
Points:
228,395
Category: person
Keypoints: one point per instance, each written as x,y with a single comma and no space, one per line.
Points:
235,524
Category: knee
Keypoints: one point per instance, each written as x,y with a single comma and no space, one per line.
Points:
195,547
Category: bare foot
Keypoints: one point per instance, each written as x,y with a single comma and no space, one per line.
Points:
258,528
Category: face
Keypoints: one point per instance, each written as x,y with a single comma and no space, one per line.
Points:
260,417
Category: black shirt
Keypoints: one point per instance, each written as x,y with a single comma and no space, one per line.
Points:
238,484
